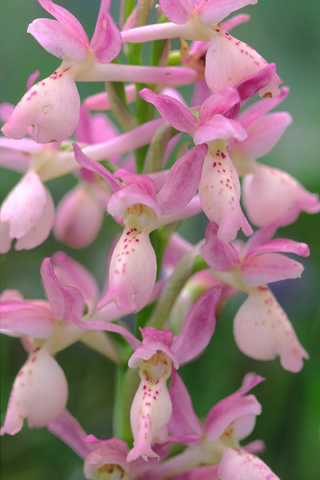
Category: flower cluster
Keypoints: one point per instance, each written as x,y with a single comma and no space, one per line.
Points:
138,168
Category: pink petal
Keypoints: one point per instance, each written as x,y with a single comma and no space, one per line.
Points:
218,128
26,318
270,193
66,302
95,167
263,331
269,267
32,78
183,421
219,193
198,327
70,272
79,217
96,128
235,415
178,11
218,255
24,205
100,101
230,61
263,135
41,229
66,427
249,86
282,245
39,393
182,181
237,464
219,103
51,107
58,39
214,11
106,41
205,472
235,21
65,18
173,111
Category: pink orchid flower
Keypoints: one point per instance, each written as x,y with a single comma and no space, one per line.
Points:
46,328
155,356
132,272
228,422
228,60
52,105
219,187
261,328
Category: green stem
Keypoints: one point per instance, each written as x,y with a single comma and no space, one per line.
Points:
126,386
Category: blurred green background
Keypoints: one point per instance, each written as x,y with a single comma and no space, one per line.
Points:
283,31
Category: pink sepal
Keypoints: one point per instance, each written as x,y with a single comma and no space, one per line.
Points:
182,181
96,128
66,302
39,393
263,135
205,472
198,327
95,167
173,111
219,128
183,420
269,267
213,11
69,272
179,11
20,317
237,464
283,245
66,18
107,452
58,40
68,429
222,103
263,331
106,41
269,194
236,411
218,255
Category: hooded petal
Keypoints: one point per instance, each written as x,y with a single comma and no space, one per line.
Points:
51,107
111,453
39,393
79,217
179,11
214,11
219,128
24,205
40,231
263,331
